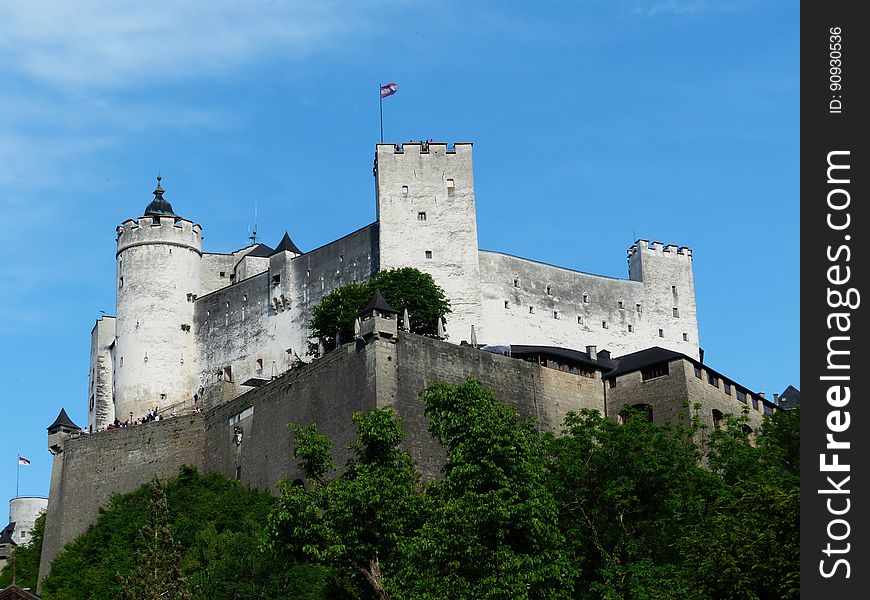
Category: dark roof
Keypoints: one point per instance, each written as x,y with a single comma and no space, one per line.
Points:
261,250
790,398
62,420
287,244
6,534
379,304
642,359
13,592
602,363
159,207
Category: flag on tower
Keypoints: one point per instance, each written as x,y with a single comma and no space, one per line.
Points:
388,90
23,461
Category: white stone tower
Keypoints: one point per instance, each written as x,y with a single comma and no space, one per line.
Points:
158,278
23,511
428,220
669,289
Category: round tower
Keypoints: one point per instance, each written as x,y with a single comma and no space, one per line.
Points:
23,511
158,278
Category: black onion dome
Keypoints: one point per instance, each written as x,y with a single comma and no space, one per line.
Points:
159,207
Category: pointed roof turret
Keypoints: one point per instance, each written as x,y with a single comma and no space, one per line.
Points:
62,422
287,244
378,306
159,207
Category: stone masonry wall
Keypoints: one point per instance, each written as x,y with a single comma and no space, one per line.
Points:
94,467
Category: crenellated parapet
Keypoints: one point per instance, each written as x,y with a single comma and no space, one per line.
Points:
659,249
159,230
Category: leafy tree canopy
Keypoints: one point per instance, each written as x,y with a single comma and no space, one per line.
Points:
406,288
26,567
204,529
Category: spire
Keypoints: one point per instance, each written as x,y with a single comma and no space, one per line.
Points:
378,306
62,421
288,245
159,207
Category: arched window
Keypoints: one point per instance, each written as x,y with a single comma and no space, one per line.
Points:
717,418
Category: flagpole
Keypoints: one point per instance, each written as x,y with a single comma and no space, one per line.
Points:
17,473
381,109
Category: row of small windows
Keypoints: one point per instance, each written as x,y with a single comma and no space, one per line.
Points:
727,387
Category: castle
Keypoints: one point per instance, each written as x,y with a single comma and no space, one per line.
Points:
211,341
195,329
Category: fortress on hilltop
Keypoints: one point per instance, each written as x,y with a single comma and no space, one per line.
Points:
210,342
195,328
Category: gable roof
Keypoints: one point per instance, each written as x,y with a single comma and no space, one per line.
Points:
13,592
6,534
287,244
602,363
261,250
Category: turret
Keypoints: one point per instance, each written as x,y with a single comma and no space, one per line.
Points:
159,272
60,431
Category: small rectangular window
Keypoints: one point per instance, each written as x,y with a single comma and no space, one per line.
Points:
421,216
276,279
637,306
549,292
516,283
768,410
531,310
659,370
507,304
621,304
555,314
755,403
604,324
579,320
612,382
661,333
585,298
405,189
223,274
685,337
741,395
674,289
676,312
428,254
712,380
450,187
697,371
630,328
727,387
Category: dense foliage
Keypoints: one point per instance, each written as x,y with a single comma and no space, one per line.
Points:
406,288
603,511
26,565
203,531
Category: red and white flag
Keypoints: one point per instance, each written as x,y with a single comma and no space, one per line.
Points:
388,90
23,461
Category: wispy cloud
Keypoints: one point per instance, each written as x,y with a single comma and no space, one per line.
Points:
113,44
683,7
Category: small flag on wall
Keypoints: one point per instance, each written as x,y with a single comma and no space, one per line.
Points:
388,90
23,461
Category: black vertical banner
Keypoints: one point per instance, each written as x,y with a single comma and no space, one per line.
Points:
835,235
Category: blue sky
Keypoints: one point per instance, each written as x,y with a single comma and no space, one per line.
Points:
594,123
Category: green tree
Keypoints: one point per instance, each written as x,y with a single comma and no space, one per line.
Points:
492,524
354,521
157,574
405,288
25,562
219,528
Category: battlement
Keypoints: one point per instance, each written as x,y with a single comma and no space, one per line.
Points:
422,148
165,230
660,249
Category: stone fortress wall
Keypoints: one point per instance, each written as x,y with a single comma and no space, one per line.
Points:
248,439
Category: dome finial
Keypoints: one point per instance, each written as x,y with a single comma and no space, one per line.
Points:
159,207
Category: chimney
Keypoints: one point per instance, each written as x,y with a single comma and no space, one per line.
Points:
592,351
776,398
761,395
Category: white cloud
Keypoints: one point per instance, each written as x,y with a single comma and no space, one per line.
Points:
114,44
